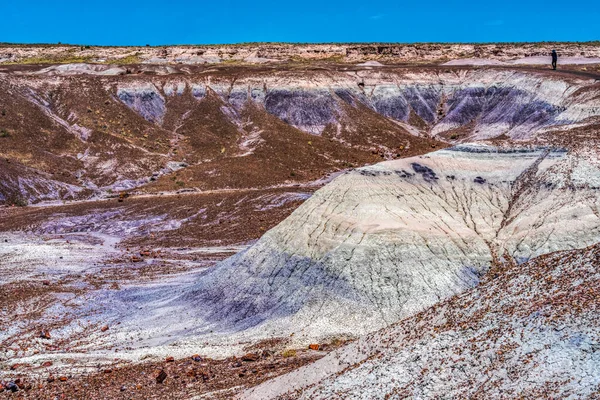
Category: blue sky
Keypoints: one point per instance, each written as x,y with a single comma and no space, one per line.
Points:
134,22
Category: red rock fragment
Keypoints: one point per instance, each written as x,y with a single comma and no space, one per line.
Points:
170,359
104,328
47,364
196,357
62,378
314,346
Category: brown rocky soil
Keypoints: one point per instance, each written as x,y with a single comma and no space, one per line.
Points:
182,379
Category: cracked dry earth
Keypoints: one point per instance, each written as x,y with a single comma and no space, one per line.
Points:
298,230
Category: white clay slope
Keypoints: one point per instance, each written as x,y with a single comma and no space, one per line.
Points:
530,332
384,242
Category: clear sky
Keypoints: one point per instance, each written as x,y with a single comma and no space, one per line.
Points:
155,22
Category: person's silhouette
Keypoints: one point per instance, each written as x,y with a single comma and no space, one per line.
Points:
554,59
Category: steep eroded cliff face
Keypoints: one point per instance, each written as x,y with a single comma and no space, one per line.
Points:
255,127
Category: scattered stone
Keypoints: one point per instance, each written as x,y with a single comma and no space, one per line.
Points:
479,180
267,353
427,173
12,386
62,378
314,347
170,359
50,379
162,375
104,328
250,357
47,364
45,334
123,388
197,358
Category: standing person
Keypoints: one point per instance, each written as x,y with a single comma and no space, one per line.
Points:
554,59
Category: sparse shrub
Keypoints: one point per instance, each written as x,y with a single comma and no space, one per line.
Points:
454,136
292,173
16,200
4,133
3,113
180,183
289,353
337,341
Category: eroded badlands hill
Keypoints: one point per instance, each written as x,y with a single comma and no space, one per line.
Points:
528,330
84,136
171,167
383,242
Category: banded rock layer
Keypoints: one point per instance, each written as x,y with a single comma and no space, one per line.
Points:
383,242
85,135
486,103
